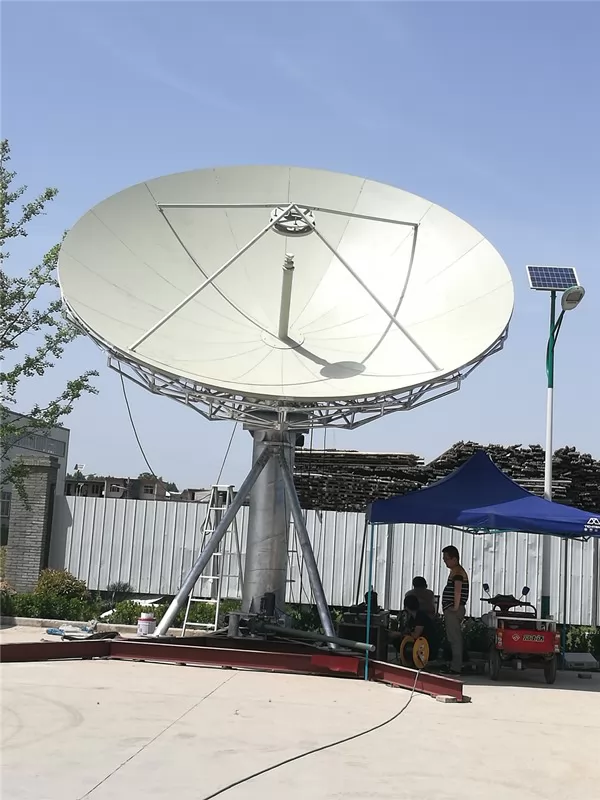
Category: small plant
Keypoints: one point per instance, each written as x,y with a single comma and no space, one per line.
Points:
127,613
583,639
476,636
60,583
306,618
119,591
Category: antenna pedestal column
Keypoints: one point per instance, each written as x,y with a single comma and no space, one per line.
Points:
268,522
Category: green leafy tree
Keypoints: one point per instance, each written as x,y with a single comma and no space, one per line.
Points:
33,329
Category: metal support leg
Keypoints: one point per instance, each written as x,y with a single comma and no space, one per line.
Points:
307,551
200,565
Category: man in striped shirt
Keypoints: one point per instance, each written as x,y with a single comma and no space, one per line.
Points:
454,601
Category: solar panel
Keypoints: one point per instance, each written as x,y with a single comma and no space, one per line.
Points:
552,279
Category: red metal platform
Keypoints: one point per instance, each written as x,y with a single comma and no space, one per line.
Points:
267,656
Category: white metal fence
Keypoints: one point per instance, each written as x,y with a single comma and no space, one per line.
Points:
152,544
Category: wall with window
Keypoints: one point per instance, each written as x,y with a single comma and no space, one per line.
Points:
54,442
4,516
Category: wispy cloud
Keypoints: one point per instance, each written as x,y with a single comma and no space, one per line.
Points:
331,94
138,53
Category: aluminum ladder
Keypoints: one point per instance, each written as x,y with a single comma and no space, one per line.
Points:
220,499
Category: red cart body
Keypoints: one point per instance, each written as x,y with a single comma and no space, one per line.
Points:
520,638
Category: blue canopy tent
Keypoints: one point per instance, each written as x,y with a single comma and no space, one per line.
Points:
480,498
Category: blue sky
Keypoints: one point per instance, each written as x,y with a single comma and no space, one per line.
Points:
489,109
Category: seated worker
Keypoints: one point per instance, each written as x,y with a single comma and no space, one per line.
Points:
419,623
424,595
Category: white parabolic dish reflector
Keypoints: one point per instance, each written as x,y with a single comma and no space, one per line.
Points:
389,290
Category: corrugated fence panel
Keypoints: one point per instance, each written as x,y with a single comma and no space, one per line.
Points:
152,545
583,568
505,561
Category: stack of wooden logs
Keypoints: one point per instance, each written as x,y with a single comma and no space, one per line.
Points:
342,480
347,480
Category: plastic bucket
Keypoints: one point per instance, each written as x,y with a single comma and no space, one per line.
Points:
146,624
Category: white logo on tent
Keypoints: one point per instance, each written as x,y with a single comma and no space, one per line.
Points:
592,525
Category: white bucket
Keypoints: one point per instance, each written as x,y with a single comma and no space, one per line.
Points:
146,624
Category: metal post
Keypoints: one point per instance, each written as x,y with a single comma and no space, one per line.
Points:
286,297
200,565
315,637
361,563
307,551
565,613
369,596
595,581
546,542
268,524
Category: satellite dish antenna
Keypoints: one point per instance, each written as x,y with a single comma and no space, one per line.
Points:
286,298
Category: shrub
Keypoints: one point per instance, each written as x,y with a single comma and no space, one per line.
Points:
127,612
60,583
306,618
48,606
476,636
582,639
7,608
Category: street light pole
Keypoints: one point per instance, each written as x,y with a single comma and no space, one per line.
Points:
569,300
546,552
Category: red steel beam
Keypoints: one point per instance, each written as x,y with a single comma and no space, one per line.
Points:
50,651
314,663
426,682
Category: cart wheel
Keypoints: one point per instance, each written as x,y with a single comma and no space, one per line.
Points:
550,668
495,663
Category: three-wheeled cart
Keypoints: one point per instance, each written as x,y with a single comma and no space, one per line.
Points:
520,639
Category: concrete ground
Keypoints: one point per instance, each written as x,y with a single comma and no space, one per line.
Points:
111,730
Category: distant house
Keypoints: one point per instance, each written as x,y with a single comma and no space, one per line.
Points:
124,488
53,442
195,495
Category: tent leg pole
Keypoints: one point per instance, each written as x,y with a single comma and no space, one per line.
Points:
361,563
369,596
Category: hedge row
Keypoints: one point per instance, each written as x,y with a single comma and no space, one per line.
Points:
53,606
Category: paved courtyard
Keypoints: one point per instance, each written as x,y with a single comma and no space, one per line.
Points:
110,730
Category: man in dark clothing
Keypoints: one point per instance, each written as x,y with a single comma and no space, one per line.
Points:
419,623
424,595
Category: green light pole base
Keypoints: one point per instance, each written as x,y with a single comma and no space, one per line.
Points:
545,607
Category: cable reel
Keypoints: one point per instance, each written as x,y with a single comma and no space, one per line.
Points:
414,653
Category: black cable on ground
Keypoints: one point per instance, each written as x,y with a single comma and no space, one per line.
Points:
319,749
